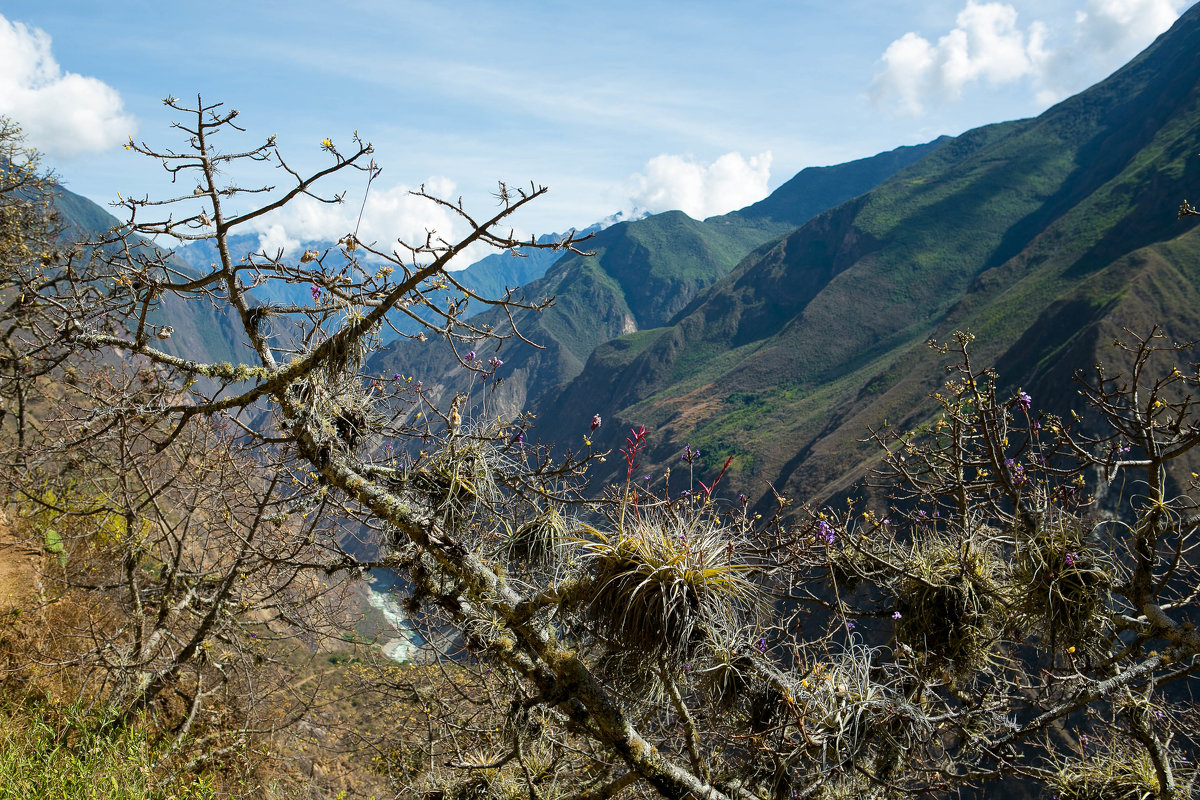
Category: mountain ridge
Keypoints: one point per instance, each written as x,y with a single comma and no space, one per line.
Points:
643,274
202,333
786,362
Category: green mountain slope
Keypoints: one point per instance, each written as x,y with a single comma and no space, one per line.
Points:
642,274
818,189
1042,236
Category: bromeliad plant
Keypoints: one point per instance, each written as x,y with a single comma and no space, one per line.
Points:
667,581
1016,583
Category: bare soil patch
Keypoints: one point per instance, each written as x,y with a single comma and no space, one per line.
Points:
18,568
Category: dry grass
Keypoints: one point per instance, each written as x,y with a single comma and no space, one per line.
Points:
18,574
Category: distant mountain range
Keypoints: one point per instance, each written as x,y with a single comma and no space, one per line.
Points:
1045,237
491,276
779,334
202,333
642,274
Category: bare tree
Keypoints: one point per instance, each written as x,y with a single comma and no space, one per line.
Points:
1044,632
186,572
972,629
29,232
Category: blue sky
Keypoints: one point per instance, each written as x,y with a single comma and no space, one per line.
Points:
702,106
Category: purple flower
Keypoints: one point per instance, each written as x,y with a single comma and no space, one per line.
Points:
850,625
316,292
825,531
520,438
1070,559
761,645
470,356
396,377
743,499
1024,401
495,363
689,455
897,615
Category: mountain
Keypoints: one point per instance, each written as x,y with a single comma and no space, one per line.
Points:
641,275
1045,237
491,276
818,189
202,333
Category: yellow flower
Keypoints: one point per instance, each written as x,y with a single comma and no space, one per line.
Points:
327,144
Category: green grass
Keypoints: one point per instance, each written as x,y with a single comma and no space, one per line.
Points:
53,753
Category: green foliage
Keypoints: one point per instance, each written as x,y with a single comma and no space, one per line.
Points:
50,752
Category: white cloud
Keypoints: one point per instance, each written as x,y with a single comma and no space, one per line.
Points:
64,114
988,45
1122,27
1106,35
673,182
389,214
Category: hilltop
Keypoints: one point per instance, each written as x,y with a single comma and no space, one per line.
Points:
1045,237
